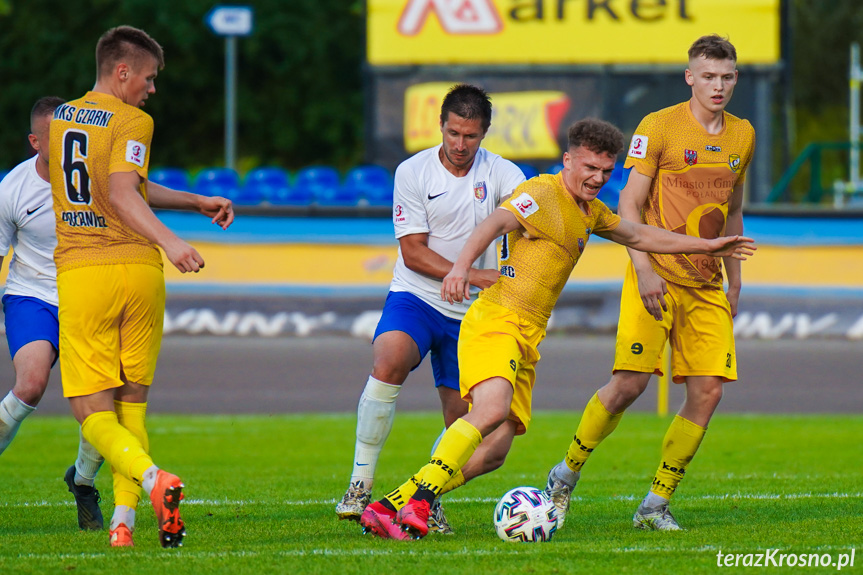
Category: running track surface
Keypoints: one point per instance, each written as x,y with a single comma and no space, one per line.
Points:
293,375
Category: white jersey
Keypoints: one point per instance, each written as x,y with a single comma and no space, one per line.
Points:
429,199
27,225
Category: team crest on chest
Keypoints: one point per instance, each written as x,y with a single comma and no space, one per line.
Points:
479,191
690,157
734,162
581,244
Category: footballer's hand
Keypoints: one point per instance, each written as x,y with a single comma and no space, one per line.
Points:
483,278
456,285
652,289
737,247
184,257
220,209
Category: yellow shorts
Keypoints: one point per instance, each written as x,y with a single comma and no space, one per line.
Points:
110,326
698,323
495,342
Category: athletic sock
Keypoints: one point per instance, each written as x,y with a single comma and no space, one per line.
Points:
149,478
455,448
375,414
117,444
596,424
88,463
123,514
132,416
678,448
457,481
12,412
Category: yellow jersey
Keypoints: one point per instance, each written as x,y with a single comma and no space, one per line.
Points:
92,138
694,174
537,259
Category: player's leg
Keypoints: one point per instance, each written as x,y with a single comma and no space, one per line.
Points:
704,336
81,480
141,337
31,331
32,368
496,350
492,399
639,348
401,340
131,412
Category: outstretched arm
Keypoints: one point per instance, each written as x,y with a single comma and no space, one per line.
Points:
220,209
652,239
135,213
455,286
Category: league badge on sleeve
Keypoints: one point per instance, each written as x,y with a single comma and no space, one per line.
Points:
136,152
638,147
525,205
399,216
479,191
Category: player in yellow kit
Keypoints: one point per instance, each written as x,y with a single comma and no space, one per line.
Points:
689,164
549,220
109,270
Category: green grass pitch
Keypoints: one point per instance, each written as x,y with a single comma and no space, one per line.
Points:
260,492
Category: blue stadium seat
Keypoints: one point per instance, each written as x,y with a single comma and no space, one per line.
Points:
339,196
218,182
554,169
174,178
322,185
373,183
317,177
528,170
379,196
264,184
290,196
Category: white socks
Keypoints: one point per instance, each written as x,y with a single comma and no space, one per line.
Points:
123,514
375,414
150,478
653,501
88,463
12,413
565,474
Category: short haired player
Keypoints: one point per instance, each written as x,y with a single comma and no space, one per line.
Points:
689,162
547,223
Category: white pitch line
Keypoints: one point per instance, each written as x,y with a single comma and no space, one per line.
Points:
312,502
180,554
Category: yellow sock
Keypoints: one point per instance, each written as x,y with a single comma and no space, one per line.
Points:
117,445
454,483
455,448
678,448
399,496
132,416
596,424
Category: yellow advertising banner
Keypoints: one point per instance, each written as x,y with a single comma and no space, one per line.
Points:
525,125
409,32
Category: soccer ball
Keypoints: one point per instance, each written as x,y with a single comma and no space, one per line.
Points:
525,514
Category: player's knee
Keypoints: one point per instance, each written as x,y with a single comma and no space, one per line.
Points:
30,387
391,370
626,387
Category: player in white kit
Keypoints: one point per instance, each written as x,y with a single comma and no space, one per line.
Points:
440,196
27,224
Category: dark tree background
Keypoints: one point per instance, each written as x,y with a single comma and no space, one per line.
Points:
299,84
300,98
